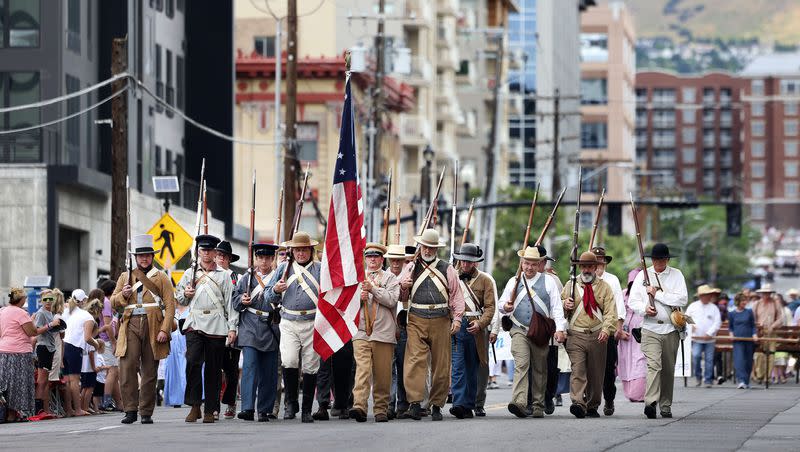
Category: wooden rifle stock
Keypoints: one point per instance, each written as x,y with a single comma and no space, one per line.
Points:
128,250
469,220
642,262
597,219
252,234
397,226
575,230
296,223
387,212
525,242
200,205
453,213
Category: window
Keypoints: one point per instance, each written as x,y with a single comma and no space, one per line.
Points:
158,62
594,91
757,87
169,9
664,118
74,26
790,169
757,189
789,148
19,23
168,163
159,167
757,149
170,95
688,155
757,108
757,128
757,211
688,175
180,5
688,95
664,96
158,5
265,46
641,95
790,86
18,88
688,135
757,170
594,47
180,81
790,189
593,135
790,108
73,126
307,136
790,127
689,116
159,82
708,96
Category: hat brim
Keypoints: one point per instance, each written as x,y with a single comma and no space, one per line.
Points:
136,253
584,262
394,256
668,256
418,239
291,244
765,291
607,259
521,253
467,258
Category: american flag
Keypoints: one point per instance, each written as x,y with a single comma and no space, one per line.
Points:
342,263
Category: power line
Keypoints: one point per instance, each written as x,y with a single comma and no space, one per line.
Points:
56,100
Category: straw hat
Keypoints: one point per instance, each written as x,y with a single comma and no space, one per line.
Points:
705,289
531,253
792,292
766,288
586,258
429,238
374,249
395,252
301,240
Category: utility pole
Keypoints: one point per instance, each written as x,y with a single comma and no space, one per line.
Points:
556,187
290,162
119,160
277,134
492,151
373,160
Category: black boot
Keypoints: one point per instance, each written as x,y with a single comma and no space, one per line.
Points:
130,417
322,413
415,411
291,379
38,405
309,387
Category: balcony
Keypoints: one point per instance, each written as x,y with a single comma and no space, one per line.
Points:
664,123
414,130
446,145
515,105
709,141
467,20
417,14
468,127
421,72
663,142
448,112
725,99
709,161
664,100
516,150
725,121
446,34
663,162
447,7
445,91
448,58
516,59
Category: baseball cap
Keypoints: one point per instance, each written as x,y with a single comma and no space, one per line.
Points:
79,295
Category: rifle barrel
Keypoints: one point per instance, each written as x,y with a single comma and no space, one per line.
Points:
597,219
551,217
469,220
642,261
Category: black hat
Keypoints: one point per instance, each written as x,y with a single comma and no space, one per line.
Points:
469,252
543,252
225,247
602,257
411,250
264,249
206,241
659,251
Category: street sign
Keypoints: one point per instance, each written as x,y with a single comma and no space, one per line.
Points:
176,276
171,239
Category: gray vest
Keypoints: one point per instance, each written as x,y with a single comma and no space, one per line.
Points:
428,293
295,298
524,310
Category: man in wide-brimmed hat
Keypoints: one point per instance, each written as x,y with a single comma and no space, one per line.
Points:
295,286
471,356
592,317
258,336
398,403
230,362
705,314
373,344
660,338
609,382
148,305
532,294
211,324
768,315
431,286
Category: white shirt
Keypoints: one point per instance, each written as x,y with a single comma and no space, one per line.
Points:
556,308
706,321
616,289
673,293
74,333
797,317
86,363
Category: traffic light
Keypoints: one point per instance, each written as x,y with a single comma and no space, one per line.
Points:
733,220
614,219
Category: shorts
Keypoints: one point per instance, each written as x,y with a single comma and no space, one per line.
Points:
88,380
44,357
99,389
108,355
73,359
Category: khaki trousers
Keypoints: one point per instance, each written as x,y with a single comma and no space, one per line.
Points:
297,345
588,358
530,362
661,351
373,371
763,363
427,337
138,359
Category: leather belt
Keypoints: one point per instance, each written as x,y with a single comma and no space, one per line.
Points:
141,305
429,306
472,314
587,330
293,312
258,312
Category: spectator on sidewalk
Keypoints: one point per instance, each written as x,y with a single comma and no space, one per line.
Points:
742,324
81,329
707,323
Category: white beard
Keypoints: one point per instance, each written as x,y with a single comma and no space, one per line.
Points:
427,258
587,279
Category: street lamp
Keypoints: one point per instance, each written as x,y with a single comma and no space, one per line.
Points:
425,184
468,177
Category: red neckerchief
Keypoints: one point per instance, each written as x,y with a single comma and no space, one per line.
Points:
589,302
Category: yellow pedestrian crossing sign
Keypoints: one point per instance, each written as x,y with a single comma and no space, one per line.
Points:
172,241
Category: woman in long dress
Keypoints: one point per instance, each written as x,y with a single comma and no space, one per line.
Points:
631,364
175,367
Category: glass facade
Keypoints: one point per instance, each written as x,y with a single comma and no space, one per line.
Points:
18,88
522,82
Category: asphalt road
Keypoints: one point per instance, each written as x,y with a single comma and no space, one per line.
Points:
720,418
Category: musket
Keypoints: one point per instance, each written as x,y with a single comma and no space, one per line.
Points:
387,211
296,222
642,262
453,212
525,242
278,220
597,219
199,222
128,257
469,219
431,208
574,255
397,226
550,218
252,234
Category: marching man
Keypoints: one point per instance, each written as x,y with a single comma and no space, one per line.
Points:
148,305
297,295
470,349
373,344
432,288
592,320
